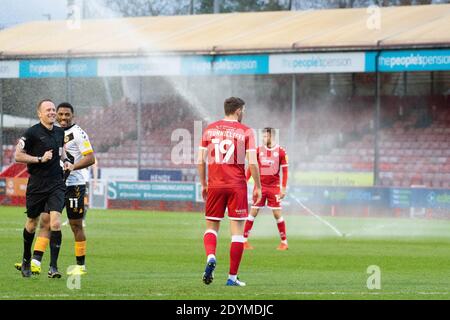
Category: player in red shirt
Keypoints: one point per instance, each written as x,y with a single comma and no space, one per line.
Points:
271,160
226,144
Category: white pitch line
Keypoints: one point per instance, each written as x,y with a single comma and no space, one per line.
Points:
318,217
66,295
366,229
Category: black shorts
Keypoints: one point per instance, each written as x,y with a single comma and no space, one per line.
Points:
44,195
86,197
75,201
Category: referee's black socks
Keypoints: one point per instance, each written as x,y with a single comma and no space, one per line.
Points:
55,245
27,243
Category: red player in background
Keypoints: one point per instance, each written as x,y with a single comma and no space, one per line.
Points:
271,160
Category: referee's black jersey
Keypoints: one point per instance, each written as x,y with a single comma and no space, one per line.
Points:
36,141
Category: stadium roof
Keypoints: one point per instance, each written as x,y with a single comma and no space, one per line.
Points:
282,31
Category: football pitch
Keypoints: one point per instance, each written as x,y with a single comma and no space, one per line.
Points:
160,255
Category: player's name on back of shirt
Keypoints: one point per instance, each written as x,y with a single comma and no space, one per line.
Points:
231,133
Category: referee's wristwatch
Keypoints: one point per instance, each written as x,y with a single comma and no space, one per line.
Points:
39,159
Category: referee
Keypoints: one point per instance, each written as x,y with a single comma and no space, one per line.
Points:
41,148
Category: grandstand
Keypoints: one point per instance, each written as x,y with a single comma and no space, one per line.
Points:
413,148
117,144
409,154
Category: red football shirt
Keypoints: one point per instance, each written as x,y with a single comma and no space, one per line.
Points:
227,142
270,161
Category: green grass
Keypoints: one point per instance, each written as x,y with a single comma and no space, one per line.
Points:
160,255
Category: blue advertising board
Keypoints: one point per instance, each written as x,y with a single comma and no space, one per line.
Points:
144,191
160,175
58,68
409,60
389,61
369,196
381,197
430,198
196,65
225,65
342,195
241,64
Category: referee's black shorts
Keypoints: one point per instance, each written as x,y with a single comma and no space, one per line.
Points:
44,195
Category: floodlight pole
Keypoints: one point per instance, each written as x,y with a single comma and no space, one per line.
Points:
191,7
1,125
376,164
68,91
139,126
293,109
216,6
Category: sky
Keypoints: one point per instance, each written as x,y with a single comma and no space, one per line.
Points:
19,11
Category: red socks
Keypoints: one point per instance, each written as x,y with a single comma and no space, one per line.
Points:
248,226
210,242
236,250
281,228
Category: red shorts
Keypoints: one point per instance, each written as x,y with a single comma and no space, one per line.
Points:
219,199
271,196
